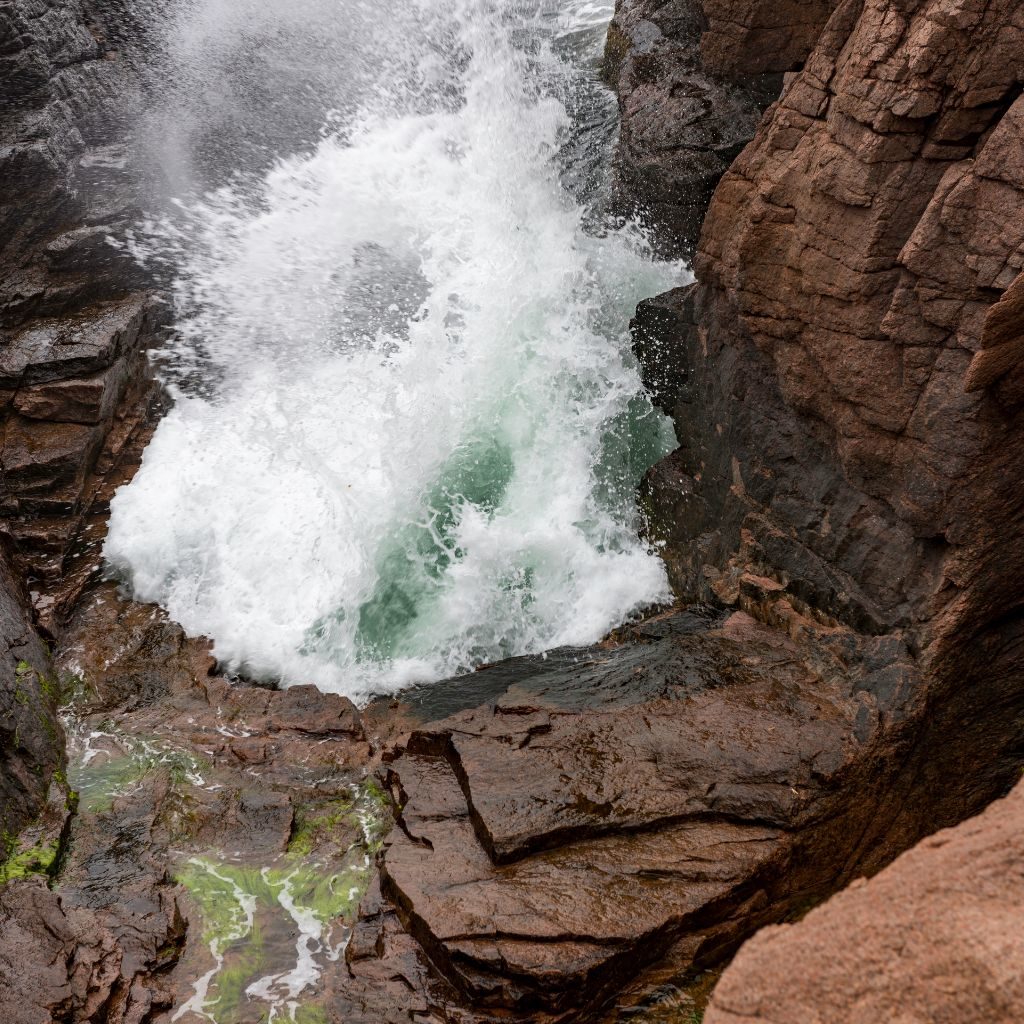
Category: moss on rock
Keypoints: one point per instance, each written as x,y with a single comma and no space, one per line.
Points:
250,912
40,859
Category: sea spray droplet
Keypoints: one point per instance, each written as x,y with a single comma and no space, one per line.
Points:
427,427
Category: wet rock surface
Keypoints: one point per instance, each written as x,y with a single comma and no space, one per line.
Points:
76,314
934,937
596,836
599,829
836,444
579,837
76,399
31,738
218,838
693,78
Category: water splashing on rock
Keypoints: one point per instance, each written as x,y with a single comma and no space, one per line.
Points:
420,426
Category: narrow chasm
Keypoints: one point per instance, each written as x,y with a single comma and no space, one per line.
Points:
511,510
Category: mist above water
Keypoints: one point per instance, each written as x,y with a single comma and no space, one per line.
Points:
408,426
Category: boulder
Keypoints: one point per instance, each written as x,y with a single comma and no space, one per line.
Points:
934,937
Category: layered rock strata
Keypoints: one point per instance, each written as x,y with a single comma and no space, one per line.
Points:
76,315
76,318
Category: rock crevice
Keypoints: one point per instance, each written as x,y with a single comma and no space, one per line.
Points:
843,518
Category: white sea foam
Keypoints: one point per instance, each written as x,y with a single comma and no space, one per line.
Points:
420,426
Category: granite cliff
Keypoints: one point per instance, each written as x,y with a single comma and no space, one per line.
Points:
582,837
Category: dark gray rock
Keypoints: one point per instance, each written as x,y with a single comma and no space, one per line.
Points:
694,78
31,737
76,394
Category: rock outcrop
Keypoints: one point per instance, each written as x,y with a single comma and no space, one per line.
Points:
826,371
843,382
31,738
195,800
76,315
693,79
705,775
846,383
575,834
935,937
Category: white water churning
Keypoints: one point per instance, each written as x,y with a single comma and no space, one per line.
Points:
419,428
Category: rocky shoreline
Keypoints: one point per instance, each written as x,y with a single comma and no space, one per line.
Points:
591,836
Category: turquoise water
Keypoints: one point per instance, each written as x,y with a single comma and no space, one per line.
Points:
408,425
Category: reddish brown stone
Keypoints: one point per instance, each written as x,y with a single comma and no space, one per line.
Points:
819,370
1002,340
117,939
605,825
935,937
848,489
750,37
75,401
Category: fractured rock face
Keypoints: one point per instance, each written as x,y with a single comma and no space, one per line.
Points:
603,827
842,374
860,252
75,313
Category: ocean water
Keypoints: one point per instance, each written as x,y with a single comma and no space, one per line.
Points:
408,426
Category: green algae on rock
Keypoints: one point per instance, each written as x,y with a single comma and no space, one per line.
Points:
99,776
269,927
37,860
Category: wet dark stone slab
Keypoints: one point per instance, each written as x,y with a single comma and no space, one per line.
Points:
573,677
620,818
31,738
